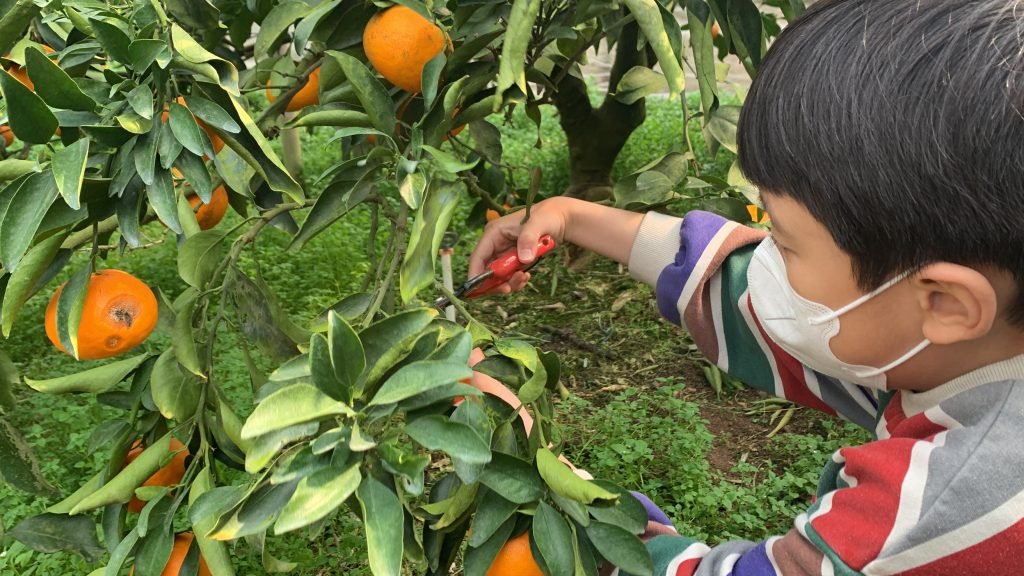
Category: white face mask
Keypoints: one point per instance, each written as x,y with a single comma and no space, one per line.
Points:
804,328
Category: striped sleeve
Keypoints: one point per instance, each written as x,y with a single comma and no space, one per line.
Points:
698,268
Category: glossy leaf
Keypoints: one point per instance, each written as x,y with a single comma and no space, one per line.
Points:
417,378
317,496
437,433
53,84
492,512
30,118
199,257
346,351
70,304
92,381
383,522
551,535
371,93
621,548
23,205
296,404
214,552
638,83
513,478
122,486
431,221
262,450
389,340
566,483
648,15
69,170
175,394
511,68
23,281
276,22
182,336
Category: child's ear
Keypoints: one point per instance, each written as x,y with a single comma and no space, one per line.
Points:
957,303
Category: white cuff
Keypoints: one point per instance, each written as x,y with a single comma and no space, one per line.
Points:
655,247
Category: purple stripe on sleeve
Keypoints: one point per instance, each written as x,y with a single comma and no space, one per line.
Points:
754,563
697,231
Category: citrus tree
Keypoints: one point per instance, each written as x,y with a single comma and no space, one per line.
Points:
125,121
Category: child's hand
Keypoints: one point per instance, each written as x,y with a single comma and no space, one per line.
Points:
547,217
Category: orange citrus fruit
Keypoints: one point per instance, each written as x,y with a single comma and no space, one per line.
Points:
210,214
399,43
169,475
492,214
6,134
120,312
308,95
716,31
515,559
182,542
21,74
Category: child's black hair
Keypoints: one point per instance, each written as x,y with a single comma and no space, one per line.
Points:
898,124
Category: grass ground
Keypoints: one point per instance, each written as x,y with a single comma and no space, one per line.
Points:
641,413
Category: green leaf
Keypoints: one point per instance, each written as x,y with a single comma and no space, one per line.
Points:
146,149
162,198
185,129
722,125
215,553
69,169
428,229
309,23
551,535
339,118
175,394
18,466
346,350
512,478
317,496
23,281
511,68
322,369
9,378
371,93
144,51
256,514
182,336
295,404
92,381
431,77
196,174
333,203
648,17
448,162
263,449
389,340
23,204
417,378
30,119
276,22
212,114
53,84
638,83
628,513
199,257
701,22
437,433
491,513
566,483
384,522
203,61
13,168
747,31
69,308
621,548
49,533
113,39
478,560
121,487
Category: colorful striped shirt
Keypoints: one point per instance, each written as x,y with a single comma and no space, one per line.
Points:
940,489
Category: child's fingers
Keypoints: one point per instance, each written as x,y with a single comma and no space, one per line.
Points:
494,241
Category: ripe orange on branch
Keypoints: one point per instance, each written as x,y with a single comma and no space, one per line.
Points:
119,313
182,542
308,95
6,134
170,475
210,214
515,559
399,43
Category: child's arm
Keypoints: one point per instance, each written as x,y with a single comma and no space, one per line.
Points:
698,267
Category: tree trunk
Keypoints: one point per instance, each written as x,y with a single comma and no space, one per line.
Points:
597,135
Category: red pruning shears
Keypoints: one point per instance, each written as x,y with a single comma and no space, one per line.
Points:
499,271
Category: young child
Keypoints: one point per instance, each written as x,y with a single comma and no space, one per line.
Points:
887,139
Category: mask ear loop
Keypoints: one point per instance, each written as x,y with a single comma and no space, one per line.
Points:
859,301
913,352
